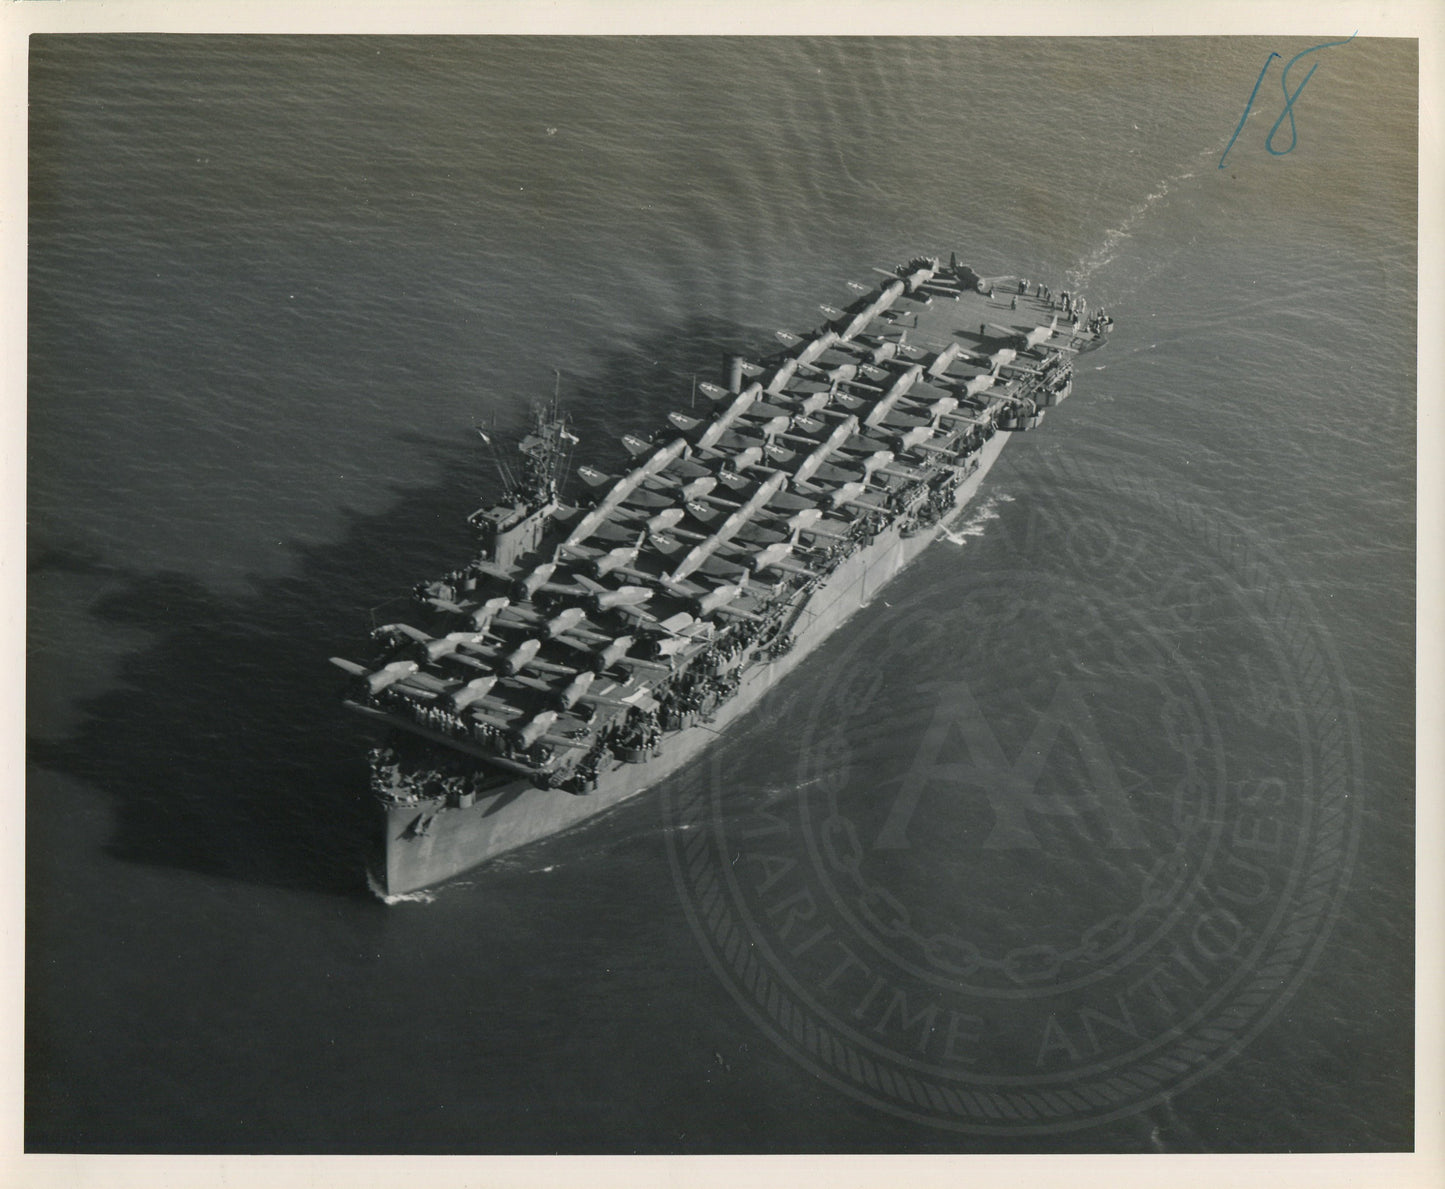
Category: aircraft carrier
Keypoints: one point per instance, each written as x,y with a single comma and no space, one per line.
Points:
595,645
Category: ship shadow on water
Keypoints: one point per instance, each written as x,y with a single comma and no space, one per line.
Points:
216,747
221,745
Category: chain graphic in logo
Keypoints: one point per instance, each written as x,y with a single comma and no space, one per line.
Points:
1060,829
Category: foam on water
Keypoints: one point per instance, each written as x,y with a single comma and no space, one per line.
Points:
421,897
224,477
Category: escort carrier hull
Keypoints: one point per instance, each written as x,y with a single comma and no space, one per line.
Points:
592,649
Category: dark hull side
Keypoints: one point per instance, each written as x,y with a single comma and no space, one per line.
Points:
428,842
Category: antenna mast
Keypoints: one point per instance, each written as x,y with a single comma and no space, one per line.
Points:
545,452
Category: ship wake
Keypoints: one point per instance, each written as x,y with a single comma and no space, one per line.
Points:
420,897
977,524
1082,273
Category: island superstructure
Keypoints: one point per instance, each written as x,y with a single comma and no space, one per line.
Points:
591,648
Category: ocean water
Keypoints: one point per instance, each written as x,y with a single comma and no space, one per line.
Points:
275,282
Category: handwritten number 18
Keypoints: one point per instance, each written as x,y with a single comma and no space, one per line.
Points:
1289,99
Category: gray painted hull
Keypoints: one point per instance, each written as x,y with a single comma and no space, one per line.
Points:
454,839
